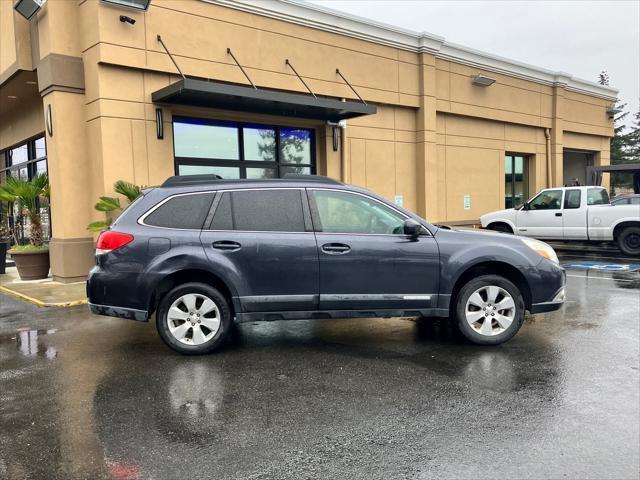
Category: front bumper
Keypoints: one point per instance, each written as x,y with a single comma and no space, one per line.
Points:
119,312
554,304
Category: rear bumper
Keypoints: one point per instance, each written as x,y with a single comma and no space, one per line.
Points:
119,312
554,304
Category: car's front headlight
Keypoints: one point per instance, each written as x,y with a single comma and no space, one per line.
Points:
541,248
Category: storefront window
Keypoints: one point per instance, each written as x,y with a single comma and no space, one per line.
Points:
196,140
516,180
224,172
18,155
295,146
26,161
259,144
235,150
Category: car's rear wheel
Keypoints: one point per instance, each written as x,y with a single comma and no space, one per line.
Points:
489,310
194,319
629,241
500,227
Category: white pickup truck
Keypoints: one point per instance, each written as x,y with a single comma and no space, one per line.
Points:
572,213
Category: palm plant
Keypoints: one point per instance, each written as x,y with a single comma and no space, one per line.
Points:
26,194
111,205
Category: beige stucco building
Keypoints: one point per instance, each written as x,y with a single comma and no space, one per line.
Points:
439,142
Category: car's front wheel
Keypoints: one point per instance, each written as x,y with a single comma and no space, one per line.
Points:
489,310
193,319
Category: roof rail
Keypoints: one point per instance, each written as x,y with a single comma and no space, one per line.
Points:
311,178
190,179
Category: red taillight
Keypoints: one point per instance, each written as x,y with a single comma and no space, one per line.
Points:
109,241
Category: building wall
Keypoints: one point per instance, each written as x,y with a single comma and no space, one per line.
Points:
435,139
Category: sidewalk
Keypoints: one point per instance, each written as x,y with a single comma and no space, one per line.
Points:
43,293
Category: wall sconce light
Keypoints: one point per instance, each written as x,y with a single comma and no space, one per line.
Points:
612,111
336,132
159,124
28,8
49,121
482,80
129,20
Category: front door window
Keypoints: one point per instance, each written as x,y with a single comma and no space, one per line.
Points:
547,200
341,212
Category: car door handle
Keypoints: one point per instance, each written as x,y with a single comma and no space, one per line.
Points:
226,245
335,248
558,214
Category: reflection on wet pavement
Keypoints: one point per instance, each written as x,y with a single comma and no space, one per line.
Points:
93,397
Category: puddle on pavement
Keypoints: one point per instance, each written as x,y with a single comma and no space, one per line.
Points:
29,342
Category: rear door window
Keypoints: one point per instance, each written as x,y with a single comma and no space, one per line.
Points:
182,211
273,210
572,199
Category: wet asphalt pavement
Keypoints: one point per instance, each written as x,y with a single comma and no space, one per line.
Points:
95,397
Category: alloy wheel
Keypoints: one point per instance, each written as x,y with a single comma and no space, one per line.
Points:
490,310
193,319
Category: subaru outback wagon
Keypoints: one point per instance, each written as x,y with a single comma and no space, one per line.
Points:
202,252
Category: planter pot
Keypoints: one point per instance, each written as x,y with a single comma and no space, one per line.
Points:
31,264
3,256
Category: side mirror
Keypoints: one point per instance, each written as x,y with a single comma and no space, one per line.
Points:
526,206
411,227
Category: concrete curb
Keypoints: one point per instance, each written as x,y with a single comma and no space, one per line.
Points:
40,303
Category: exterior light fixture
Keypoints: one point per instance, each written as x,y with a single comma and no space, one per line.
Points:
612,111
129,20
482,80
28,8
134,4
48,120
159,124
336,126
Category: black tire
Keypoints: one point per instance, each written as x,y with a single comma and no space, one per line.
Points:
629,241
225,324
500,227
460,310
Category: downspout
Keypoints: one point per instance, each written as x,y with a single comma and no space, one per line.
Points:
547,135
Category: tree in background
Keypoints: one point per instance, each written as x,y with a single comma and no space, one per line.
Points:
633,141
618,150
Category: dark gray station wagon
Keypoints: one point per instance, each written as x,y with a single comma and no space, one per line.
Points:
202,252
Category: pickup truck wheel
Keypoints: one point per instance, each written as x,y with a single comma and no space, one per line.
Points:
489,310
500,227
193,319
629,240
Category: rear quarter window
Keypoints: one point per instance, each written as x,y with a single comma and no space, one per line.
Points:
597,196
182,211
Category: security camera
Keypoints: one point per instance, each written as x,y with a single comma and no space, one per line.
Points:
124,18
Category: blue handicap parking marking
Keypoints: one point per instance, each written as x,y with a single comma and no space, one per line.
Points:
602,266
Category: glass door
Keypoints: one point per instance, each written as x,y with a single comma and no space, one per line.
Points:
516,180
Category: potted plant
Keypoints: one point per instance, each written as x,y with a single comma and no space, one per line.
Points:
32,260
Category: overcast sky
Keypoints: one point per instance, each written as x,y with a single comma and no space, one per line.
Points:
578,37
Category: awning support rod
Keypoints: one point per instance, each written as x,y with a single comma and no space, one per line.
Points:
350,86
240,66
171,57
298,75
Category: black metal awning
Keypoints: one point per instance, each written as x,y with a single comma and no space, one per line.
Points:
201,93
